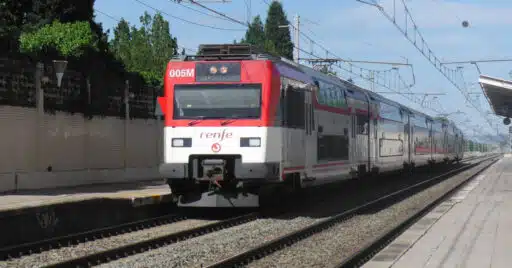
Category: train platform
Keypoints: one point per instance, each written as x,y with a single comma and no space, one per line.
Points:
470,229
137,194
41,214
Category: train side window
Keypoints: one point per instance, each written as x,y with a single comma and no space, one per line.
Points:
362,124
333,147
294,108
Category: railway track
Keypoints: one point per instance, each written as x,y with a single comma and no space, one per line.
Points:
369,250
139,247
287,240
17,251
160,241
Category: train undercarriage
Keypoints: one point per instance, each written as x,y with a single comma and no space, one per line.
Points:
211,182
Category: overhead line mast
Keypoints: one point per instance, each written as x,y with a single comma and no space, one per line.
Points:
414,36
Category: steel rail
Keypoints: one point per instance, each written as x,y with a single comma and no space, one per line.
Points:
279,243
139,247
369,250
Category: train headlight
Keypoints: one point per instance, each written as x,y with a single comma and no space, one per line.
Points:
181,142
250,142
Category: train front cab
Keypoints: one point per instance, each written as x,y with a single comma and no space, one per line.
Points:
216,146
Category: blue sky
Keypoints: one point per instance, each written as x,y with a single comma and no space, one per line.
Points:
352,30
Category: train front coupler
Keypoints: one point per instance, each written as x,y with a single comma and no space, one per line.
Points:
219,176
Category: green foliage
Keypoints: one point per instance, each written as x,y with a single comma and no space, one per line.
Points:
271,37
70,39
255,35
120,45
12,17
151,78
145,50
55,28
280,37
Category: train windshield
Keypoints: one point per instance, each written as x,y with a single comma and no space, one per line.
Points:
217,101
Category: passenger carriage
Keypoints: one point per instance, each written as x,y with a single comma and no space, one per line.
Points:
239,122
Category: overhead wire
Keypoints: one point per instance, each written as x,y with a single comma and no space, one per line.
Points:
218,13
327,51
182,4
185,20
300,32
376,81
454,76
376,75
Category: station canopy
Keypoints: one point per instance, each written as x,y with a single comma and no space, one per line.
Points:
499,94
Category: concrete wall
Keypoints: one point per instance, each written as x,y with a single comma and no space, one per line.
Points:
101,150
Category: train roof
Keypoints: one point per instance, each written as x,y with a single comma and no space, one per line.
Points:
250,52
413,111
326,77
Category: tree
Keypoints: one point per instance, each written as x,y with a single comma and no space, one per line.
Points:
69,39
12,17
120,44
44,12
255,34
145,50
164,46
278,37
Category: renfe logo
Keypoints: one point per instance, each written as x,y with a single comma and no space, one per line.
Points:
181,73
216,135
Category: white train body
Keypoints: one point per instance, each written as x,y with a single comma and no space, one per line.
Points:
251,158
235,125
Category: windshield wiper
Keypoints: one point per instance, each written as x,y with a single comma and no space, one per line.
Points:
197,119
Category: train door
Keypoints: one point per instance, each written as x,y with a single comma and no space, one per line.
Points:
430,139
310,137
294,122
353,141
410,141
456,145
445,141
376,159
405,140
371,135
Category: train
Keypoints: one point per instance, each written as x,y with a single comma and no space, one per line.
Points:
241,123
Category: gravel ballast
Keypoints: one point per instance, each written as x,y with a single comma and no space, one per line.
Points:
83,249
331,246
213,247
320,250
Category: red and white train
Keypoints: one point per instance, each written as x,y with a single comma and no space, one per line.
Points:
239,122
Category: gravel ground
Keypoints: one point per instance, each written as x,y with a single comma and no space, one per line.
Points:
216,246
80,250
213,247
328,248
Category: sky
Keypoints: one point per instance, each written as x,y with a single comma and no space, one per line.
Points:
356,31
